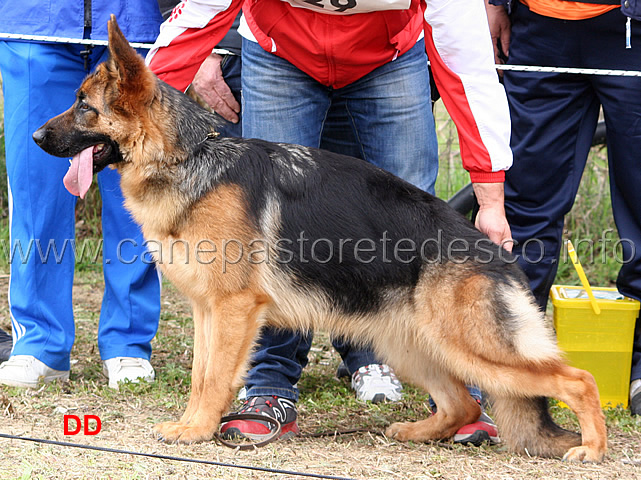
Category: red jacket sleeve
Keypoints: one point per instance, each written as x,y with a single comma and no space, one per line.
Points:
187,37
458,44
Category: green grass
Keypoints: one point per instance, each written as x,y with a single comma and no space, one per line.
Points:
451,175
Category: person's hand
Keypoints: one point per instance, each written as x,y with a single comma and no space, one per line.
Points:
491,218
500,30
210,85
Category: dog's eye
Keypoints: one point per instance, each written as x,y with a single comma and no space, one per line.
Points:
83,106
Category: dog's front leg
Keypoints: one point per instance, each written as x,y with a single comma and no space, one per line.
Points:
221,351
202,330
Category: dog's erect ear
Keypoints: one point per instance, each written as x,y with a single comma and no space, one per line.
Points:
134,78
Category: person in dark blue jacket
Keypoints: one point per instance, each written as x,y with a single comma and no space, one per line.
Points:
39,82
554,117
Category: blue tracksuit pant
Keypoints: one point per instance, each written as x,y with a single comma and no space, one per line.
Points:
554,116
39,82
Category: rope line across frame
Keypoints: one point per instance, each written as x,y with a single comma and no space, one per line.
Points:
171,457
520,68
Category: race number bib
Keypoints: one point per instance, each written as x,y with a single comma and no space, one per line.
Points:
350,6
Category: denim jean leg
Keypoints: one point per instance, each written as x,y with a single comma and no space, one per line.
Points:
473,390
378,109
291,110
277,364
391,112
392,115
354,357
231,67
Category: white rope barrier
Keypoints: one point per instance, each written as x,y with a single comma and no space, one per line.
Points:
518,68
77,41
578,71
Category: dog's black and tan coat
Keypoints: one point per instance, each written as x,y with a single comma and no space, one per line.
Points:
315,240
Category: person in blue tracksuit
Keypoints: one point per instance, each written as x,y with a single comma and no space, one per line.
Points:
554,117
39,82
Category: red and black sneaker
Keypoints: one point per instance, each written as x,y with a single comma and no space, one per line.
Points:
281,409
483,430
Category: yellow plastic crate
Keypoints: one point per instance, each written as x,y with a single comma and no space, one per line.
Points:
599,343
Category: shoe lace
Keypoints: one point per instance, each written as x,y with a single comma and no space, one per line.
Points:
377,373
130,362
271,406
20,361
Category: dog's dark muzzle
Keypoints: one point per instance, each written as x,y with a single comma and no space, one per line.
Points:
51,143
40,135
106,151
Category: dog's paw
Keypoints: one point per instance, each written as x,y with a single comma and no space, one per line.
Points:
177,432
401,431
162,430
584,454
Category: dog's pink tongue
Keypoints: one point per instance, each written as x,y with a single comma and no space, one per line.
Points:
80,174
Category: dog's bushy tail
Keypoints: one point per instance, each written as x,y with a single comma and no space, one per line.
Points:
526,427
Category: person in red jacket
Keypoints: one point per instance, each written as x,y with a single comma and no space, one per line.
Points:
299,60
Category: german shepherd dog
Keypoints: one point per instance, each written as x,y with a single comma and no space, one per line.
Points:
273,234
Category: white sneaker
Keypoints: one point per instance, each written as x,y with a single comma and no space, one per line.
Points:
27,371
377,383
122,369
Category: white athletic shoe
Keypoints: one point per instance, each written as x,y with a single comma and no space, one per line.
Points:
377,383
122,369
27,371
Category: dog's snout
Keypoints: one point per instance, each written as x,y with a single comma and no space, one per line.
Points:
39,135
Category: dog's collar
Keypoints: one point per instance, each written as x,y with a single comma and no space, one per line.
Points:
210,136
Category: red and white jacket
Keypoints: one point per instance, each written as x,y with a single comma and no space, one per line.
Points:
339,41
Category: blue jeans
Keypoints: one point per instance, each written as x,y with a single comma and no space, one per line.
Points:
231,67
384,118
39,82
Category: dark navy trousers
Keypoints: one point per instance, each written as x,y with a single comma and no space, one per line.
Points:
554,116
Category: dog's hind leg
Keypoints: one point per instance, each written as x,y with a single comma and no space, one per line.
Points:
493,335
455,408
526,425
579,390
230,326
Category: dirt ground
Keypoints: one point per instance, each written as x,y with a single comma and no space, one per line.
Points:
127,417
